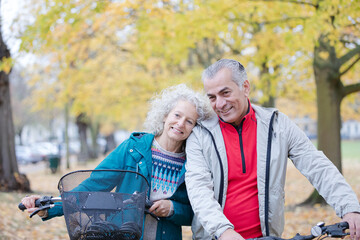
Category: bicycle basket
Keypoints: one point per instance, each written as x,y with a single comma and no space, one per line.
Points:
103,204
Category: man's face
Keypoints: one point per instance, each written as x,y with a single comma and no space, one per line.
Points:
228,101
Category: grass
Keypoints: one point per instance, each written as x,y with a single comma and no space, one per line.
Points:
350,149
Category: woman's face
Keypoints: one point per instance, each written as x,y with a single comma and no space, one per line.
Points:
180,121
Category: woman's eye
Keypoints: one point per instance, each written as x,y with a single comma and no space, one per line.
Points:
190,122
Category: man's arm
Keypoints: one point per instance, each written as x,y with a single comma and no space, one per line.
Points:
200,187
325,177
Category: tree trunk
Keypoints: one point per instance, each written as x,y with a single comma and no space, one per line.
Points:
94,130
66,136
329,95
329,121
19,133
267,87
10,179
110,143
84,148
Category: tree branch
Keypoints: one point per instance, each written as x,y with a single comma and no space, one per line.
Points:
351,89
272,21
349,55
352,25
349,67
289,1
233,50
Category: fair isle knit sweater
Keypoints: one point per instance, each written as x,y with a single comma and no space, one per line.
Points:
166,167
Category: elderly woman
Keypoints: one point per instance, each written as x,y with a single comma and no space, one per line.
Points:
172,116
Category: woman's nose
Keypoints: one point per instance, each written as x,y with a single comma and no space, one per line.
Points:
181,122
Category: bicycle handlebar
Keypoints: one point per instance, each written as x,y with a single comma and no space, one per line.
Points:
46,202
43,203
336,230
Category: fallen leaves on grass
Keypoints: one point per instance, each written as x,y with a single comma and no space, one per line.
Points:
17,225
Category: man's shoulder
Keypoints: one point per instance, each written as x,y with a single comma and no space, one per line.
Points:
265,113
209,124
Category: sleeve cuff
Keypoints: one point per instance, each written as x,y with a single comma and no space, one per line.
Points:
221,231
171,212
349,209
44,214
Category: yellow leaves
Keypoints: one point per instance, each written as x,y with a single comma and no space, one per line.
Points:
108,57
6,64
324,55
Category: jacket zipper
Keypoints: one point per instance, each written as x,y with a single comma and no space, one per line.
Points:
267,174
221,188
242,146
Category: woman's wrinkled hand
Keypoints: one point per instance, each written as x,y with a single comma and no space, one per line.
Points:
29,203
161,208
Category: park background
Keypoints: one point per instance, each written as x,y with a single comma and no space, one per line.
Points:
79,75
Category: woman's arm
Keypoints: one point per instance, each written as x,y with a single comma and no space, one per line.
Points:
183,213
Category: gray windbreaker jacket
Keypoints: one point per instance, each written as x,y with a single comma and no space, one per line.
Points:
278,139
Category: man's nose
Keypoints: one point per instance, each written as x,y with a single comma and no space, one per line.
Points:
220,103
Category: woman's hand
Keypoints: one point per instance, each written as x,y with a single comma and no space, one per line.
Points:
29,203
162,208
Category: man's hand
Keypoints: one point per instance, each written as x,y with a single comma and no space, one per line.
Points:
161,208
354,224
230,234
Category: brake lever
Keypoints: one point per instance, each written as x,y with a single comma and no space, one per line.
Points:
43,203
148,204
40,209
152,214
337,230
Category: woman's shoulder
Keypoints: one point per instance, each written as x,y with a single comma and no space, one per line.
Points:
141,136
138,139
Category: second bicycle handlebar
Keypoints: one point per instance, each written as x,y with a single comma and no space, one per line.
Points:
336,230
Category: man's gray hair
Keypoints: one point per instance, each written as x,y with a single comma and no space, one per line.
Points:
162,104
237,69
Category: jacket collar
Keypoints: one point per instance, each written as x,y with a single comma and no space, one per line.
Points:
143,141
143,146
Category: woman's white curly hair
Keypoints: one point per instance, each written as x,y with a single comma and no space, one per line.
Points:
163,103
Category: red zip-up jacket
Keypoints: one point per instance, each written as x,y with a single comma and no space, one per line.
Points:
242,204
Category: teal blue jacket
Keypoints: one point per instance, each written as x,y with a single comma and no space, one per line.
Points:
135,154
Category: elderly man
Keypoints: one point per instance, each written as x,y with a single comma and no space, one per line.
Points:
236,164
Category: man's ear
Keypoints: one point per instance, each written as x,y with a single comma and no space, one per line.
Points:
246,88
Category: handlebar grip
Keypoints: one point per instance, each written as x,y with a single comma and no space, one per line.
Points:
37,204
344,225
21,207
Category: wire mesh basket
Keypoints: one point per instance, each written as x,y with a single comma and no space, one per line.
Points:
104,204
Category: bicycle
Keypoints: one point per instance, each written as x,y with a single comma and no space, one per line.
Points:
320,231
97,206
